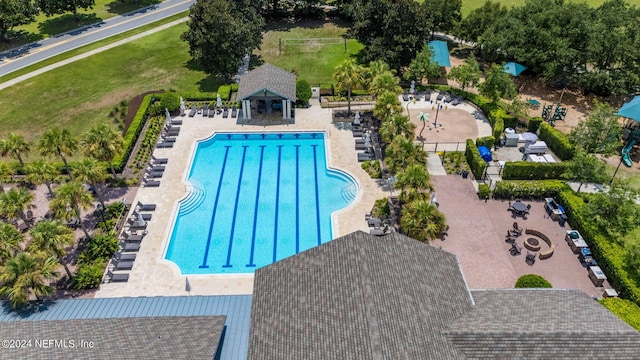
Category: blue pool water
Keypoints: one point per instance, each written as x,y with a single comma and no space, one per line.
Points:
256,199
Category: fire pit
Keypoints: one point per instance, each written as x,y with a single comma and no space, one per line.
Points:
532,244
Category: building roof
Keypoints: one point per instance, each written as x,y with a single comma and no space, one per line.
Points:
358,297
367,297
178,337
440,52
236,308
270,78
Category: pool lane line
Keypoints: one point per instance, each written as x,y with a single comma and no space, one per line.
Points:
297,197
215,207
235,208
315,175
255,209
275,226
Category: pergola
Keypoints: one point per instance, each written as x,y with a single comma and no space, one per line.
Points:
267,89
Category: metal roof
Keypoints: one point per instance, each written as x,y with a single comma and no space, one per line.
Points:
236,308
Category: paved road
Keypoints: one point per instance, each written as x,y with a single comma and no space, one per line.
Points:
26,55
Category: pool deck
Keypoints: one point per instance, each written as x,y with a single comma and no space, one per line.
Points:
153,276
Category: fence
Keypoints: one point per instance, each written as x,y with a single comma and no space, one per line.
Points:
444,146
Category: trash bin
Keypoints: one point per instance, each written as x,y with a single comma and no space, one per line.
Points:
464,174
562,219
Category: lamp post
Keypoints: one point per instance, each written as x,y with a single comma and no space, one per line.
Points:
435,121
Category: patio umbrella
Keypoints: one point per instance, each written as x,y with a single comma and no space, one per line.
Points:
219,102
631,109
514,69
167,115
529,137
356,120
183,107
367,137
367,143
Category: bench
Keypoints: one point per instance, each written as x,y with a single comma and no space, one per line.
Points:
548,252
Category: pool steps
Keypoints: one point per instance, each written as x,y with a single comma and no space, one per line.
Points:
194,199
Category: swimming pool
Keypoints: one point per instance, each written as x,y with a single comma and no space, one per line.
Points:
256,198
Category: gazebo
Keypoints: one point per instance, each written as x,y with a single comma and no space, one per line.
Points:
267,89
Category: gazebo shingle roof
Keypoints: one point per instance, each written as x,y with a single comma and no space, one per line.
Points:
269,77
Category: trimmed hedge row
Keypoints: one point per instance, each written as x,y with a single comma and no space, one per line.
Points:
475,161
526,170
537,189
610,255
487,141
534,124
626,310
133,131
557,141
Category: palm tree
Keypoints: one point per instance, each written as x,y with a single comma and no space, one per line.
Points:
414,183
397,124
402,152
386,105
52,237
14,202
90,171
385,82
10,240
27,274
15,145
422,221
103,143
5,173
349,75
58,142
42,172
71,196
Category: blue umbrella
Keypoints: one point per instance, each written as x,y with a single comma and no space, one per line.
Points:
631,109
514,69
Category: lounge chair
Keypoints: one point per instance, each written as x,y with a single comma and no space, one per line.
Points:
365,157
440,96
234,113
167,139
374,222
117,277
135,224
123,265
154,174
360,141
515,249
131,247
225,112
135,215
510,240
164,144
156,160
212,112
124,257
171,133
360,146
358,133
531,258
193,111
132,237
150,183
175,122
205,111
156,168
377,232
145,207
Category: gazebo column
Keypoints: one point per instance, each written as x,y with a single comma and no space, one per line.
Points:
246,109
284,109
288,109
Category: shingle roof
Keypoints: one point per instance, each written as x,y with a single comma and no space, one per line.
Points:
194,337
358,297
541,324
269,77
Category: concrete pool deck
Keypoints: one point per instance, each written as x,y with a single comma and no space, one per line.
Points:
153,276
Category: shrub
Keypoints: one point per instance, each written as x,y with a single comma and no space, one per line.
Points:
511,122
526,170
225,92
626,310
381,208
534,124
484,191
454,162
199,96
133,131
101,247
487,141
170,101
372,167
88,275
475,161
558,142
536,189
114,210
532,281
303,90
235,87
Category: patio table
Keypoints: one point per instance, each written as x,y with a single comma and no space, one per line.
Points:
520,207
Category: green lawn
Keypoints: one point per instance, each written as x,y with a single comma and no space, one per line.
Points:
80,94
314,61
468,5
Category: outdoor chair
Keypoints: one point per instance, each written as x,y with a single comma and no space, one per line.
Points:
234,113
131,247
193,111
513,233
150,183
132,237
516,227
145,207
153,174
531,258
135,215
117,277
374,222
515,249
164,144
156,160
159,168
510,240
365,157
175,122
123,265
171,132
124,257
205,111
212,112
225,112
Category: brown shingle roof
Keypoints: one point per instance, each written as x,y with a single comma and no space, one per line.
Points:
269,77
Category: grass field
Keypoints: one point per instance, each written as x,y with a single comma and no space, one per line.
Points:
80,94
314,61
468,5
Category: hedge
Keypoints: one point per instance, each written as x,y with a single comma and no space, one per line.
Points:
487,141
225,92
199,96
526,170
534,124
475,161
557,141
532,281
611,257
626,310
133,131
511,122
536,189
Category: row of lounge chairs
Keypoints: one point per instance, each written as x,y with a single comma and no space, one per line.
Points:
210,112
123,260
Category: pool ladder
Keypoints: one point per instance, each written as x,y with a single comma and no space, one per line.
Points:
196,196
348,192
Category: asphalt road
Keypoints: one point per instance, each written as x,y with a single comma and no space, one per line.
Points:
15,59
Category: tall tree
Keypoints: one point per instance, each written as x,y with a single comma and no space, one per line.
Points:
52,237
467,74
384,82
221,33
443,15
615,211
42,172
396,124
15,202
103,143
403,152
6,171
585,167
25,275
422,221
414,183
58,142
599,132
15,13
10,240
498,84
69,199
91,172
349,75
387,105
15,145
422,66
479,20
53,7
